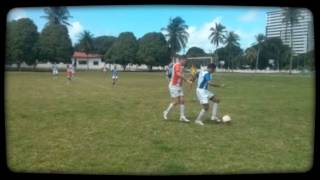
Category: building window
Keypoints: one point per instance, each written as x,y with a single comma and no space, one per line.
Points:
96,63
82,62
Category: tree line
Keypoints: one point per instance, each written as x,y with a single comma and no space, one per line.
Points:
53,44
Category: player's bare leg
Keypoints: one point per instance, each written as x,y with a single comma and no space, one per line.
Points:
174,102
204,109
214,115
182,116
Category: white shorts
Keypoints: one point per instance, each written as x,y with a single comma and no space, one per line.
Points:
175,91
204,95
114,77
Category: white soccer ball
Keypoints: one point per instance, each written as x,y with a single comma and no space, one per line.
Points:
226,118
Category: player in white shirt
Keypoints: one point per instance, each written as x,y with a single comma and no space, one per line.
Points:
114,75
204,95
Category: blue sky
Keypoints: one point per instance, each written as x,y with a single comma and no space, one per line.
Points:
112,20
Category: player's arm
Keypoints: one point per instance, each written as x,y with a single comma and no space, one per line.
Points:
180,75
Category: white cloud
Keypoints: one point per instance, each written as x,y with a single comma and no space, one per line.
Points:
249,16
16,13
247,38
74,31
199,37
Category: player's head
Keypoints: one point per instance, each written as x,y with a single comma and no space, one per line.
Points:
211,67
182,60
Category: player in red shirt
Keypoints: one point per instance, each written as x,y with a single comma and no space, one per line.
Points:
176,90
69,72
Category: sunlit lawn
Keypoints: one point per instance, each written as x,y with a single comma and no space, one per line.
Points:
88,126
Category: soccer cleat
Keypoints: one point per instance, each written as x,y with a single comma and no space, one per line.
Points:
184,119
199,122
215,118
165,113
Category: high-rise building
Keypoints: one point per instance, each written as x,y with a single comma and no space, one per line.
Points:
302,35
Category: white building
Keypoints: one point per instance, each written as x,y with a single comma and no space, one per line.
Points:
302,37
87,61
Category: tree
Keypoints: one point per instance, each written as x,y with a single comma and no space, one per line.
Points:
57,15
232,46
259,38
22,37
86,42
195,52
250,56
153,50
55,44
123,50
273,48
290,18
102,44
177,35
217,35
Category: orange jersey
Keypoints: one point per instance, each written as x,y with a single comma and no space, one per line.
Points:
175,79
69,72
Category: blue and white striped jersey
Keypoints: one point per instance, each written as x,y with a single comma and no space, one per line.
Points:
203,77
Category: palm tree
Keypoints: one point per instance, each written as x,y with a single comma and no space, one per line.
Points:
57,15
86,44
290,18
217,35
177,35
260,39
231,41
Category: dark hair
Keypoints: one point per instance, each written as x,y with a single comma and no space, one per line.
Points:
211,66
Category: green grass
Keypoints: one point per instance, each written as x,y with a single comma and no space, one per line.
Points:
90,127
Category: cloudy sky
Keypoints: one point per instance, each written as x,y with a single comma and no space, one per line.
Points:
112,20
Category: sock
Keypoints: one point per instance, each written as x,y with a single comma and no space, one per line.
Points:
181,110
200,115
169,108
214,109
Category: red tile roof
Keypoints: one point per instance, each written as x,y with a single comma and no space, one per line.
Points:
78,54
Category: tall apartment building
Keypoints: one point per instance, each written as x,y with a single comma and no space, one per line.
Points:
302,36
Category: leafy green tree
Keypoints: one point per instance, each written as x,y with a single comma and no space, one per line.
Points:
195,52
86,42
153,50
176,32
250,56
102,44
57,15
123,50
273,48
21,40
55,44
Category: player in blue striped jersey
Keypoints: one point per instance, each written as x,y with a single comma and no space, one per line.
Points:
204,95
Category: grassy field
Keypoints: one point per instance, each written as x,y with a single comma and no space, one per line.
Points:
89,126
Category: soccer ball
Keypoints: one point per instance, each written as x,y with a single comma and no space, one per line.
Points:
226,118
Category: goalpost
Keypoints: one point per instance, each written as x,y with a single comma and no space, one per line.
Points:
198,62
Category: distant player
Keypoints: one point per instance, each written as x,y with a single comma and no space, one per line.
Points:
176,91
69,72
114,75
204,96
54,70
